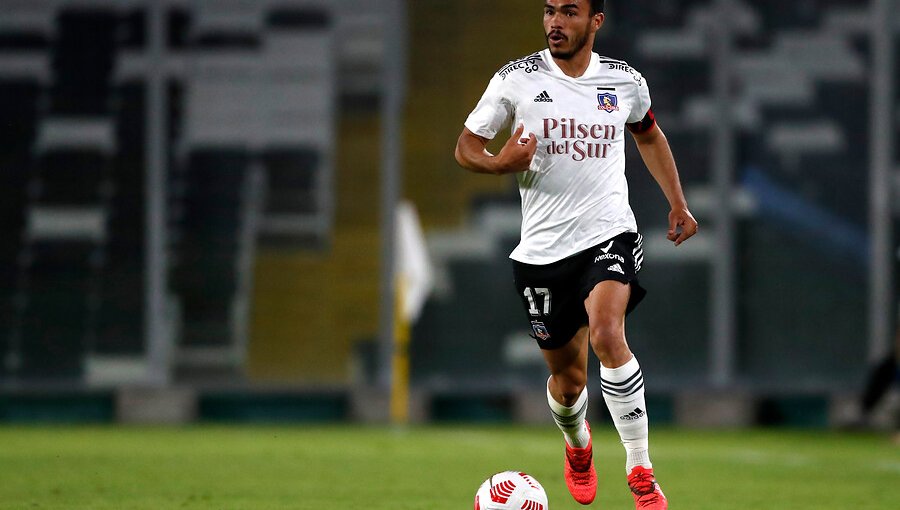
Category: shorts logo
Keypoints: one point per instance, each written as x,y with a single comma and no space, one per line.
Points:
615,267
607,247
540,330
607,256
608,102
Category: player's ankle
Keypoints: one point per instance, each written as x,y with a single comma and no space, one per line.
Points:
637,457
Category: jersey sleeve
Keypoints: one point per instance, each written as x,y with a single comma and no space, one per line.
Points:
641,100
493,111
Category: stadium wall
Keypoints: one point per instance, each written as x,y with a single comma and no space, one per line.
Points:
181,406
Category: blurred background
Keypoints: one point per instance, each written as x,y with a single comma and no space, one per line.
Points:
239,210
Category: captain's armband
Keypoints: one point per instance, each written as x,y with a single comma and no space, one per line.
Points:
643,125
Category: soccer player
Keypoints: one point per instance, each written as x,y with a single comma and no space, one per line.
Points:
576,265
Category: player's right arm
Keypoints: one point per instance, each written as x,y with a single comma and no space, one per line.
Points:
515,156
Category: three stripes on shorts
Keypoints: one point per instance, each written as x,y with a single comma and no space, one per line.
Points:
638,253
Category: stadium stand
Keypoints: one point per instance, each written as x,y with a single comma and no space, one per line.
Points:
256,94
240,104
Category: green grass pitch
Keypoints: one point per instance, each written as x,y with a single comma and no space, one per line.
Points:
428,468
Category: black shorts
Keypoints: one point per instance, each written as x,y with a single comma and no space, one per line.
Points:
553,294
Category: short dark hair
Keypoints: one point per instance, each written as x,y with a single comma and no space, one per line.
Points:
597,6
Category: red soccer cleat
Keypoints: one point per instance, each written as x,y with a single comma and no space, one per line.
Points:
581,478
646,492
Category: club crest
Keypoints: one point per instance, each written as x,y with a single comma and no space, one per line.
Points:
540,330
608,102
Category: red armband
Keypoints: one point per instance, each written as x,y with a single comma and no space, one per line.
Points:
644,125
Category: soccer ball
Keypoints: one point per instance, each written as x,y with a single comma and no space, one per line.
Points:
511,490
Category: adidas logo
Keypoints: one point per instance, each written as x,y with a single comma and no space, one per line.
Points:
616,267
543,97
633,415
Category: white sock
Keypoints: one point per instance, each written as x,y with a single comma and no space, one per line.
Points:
623,391
570,420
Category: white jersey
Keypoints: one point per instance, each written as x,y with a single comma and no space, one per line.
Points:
575,194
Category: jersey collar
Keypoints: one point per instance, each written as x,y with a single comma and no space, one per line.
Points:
591,68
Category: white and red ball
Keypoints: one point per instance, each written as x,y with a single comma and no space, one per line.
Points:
511,490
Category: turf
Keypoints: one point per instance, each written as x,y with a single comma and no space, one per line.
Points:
434,468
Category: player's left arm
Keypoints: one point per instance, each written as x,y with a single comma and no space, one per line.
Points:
657,155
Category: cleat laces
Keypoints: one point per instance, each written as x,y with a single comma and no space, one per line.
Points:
580,461
643,485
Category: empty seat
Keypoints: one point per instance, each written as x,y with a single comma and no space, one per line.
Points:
672,82
13,196
287,18
132,32
837,184
638,15
120,317
209,203
18,109
53,335
61,266
692,152
794,15
785,15
56,312
72,177
23,40
10,276
9,260
179,22
221,40
130,118
292,176
83,61
125,235
210,320
205,271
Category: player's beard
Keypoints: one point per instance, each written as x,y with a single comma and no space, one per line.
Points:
578,43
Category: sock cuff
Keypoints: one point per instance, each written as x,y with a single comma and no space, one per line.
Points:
558,409
638,456
620,373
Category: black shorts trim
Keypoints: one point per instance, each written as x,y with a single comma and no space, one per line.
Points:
553,294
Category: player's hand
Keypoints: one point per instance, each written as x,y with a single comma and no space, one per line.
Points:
517,153
682,226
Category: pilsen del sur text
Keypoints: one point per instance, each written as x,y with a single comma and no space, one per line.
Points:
581,141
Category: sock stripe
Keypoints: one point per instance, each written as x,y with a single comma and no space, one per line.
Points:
626,389
637,373
628,394
573,418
